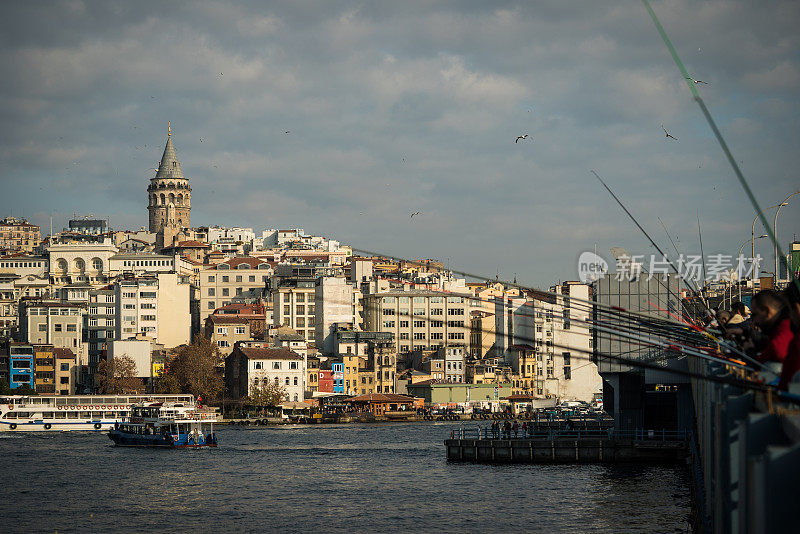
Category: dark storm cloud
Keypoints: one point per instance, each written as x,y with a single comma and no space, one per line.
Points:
396,107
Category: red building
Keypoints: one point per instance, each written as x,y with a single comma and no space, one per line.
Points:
325,381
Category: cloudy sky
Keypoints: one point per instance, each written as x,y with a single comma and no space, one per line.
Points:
397,107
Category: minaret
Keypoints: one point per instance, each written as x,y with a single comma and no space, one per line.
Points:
169,196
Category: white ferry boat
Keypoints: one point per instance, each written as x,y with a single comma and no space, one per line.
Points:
23,413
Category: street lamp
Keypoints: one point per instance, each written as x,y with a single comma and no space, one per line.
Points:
752,240
775,232
753,233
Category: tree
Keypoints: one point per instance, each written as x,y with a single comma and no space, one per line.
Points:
118,376
270,394
193,370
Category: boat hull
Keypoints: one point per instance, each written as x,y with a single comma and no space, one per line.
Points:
125,439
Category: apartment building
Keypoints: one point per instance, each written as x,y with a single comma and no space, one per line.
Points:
335,302
153,306
294,305
419,319
55,323
369,360
44,372
220,284
19,234
101,322
66,371
255,366
224,331
20,365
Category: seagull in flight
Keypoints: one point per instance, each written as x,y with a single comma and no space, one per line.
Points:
415,213
520,137
287,131
696,82
668,134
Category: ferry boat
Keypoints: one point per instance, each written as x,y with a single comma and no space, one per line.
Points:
23,413
176,425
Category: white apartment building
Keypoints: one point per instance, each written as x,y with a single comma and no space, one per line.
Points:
419,319
294,305
276,365
335,301
153,306
557,332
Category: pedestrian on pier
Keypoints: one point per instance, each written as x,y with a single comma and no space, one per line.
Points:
496,430
515,427
524,428
507,429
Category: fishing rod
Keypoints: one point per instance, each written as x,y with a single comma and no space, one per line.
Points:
641,228
534,290
720,139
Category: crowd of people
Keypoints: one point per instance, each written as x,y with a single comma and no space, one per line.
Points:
768,332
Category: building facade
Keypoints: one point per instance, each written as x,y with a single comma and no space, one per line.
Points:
19,234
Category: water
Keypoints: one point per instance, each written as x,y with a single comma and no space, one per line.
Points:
354,478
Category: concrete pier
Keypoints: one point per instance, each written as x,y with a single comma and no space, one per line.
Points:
566,450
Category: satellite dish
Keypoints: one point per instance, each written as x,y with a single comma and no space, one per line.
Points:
620,253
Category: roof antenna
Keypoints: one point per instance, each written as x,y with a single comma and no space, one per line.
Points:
169,129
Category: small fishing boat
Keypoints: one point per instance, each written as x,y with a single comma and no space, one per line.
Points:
175,425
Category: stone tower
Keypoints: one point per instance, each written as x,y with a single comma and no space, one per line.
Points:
169,197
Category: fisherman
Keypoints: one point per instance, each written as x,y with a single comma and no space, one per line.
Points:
791,364
771,315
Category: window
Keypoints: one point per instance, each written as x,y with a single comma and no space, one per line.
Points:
388,324
287,380
292,365
295,381
57,327
238,278
212,279
287,309
225,292
419,335
300,322
455,311
403,335
225,279
72,328
222,331
223,343
437,335
252,278
148,294
43,327
240,330
300,310
436,311
257,365
388,311
419,324
211,305
277,366
419,311
437,324
403,348
567,373
300,297
65,366
403,324
211,291
148,317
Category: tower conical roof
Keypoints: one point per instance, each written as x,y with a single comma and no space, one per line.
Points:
169,167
